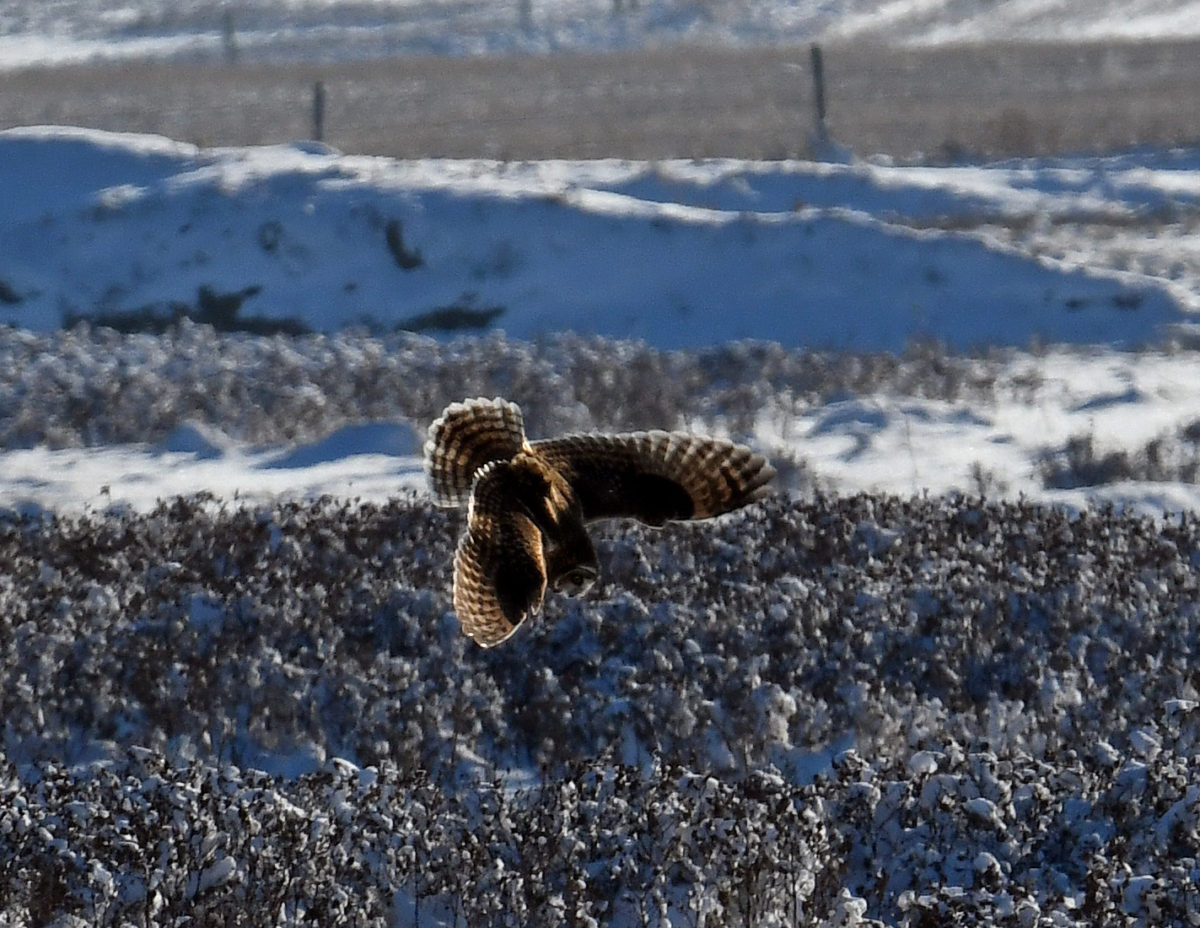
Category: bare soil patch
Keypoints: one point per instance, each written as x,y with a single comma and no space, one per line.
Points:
994,100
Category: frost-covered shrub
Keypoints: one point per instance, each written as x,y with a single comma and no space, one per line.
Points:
1166,458
1017,685
93,386
719,646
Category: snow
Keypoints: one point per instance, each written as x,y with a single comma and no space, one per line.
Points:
680,255
138,477
70,31
677,254
880,443
938,22
669,253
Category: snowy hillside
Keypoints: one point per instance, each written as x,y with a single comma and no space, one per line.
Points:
934,22
136,232
679,254
33,32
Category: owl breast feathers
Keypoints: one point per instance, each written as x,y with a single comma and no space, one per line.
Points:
528,502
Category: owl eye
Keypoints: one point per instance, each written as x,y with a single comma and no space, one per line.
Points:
576,581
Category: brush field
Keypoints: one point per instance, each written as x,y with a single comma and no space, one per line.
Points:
820,710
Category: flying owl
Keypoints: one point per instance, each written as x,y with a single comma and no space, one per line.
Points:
528,502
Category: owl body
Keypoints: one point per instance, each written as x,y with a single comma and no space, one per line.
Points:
528,503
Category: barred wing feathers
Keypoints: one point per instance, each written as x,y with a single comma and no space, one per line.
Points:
500,565
657,476
467,436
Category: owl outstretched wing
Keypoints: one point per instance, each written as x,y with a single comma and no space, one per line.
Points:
467,436
527,503
499,567
657,476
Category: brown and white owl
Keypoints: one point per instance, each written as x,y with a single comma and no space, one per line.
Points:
528,502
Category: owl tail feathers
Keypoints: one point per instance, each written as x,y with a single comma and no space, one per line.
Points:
464,438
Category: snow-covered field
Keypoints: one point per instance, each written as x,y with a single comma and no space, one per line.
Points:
96,422
66,31
918,711
1090,257
255,704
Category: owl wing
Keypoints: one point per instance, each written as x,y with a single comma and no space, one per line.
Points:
499,567
657,476
467,436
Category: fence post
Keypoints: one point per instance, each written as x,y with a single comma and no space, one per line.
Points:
318,111
818,72
229,37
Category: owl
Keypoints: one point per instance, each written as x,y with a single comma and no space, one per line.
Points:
528,503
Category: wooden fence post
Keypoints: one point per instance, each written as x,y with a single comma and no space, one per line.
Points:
818,72
318,111
229,37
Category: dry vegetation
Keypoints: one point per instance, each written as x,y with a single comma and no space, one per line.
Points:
178,686
673,102
91,386
1019,686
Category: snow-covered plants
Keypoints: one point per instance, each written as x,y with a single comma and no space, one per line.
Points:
810,712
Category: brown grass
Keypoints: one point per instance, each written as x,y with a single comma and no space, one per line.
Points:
679,102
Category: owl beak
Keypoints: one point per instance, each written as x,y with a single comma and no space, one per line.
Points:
576,581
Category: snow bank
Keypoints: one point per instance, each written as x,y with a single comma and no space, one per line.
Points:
137,231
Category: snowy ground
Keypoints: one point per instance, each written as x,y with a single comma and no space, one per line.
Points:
913,709
1004,445
1097,256
676,253
33,32
920,711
